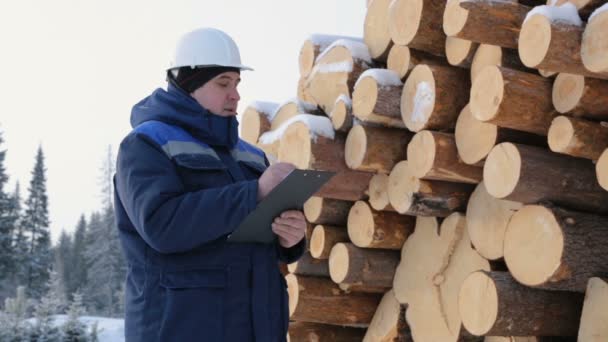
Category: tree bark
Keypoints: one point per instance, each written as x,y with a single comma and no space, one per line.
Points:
375,149
377,103
309,266
350,264
324,238
319,210
417,24
577,137
368,228
314,332
581,97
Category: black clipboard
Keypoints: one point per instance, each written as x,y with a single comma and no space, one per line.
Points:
290,194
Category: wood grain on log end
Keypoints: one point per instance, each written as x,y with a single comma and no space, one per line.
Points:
375,30
567,91
594,50
474,138
594,317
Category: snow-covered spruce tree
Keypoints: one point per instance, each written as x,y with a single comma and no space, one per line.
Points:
62,253
77,262
20,241
56,290
7,227
43,328
36,227
73,329
13,327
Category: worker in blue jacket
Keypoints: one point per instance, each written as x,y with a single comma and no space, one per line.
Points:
184,181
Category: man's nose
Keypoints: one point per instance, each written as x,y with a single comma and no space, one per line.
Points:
234,95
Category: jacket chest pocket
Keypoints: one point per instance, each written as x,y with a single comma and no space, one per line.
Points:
201,172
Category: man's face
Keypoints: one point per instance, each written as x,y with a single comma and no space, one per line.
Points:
220,95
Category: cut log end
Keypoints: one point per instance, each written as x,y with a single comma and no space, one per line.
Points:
594,50
457,50
418,98
307,58
567,92
365,96
375,29
338,263
502,170
312,208
295,146
284,113
485,55
487,93
594,317
421,153
317,241
399,60
384,324
340,115
378,192
454,18
561,134
402,184
534,40
293,292
356,147
533,234
361,224
474,138
478,303
252,126
404,19
601,169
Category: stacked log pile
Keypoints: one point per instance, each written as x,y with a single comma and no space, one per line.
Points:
470,200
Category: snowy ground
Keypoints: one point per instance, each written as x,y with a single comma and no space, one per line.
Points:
108,329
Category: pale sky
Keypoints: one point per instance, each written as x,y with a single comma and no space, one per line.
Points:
72,70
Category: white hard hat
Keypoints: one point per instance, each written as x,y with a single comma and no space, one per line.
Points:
206,47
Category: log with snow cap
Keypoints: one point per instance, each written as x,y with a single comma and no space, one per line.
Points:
336,70
376,98
495,22
375,149
554,248
433,96
550,39
530,174
351,265
581,96
594,48
594,317
412,196
256,120
369,228
578,137
313,46
375,30
513,99
320,300
435,260
309,142
460,52
341,114
475,139
488,54
417,24
434,156
493,303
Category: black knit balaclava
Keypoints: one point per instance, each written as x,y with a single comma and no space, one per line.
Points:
189,79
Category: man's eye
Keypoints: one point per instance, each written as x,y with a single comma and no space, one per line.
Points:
223,85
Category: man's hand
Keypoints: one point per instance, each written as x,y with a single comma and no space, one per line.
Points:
290,227
273,175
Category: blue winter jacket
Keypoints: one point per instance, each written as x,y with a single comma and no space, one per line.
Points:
184,181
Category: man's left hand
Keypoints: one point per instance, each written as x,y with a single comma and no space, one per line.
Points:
290,227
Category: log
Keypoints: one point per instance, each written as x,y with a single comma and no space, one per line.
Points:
378,193
256,120
530,174
352,265
585,7
434,263
460,52
554,248
487,219
303,94
284,112
375,29
553,45
401,60
493,303
376,98
313,46
384,325
434,156
485,21
475,139
320,300
512,99
323,238
528,339
601,170
577,137
314,332
368,228
336,72
309,266
375,149
594,50
594,317
495,55
581,97
347,186
319,210
412,196
342,114
433,96
417,24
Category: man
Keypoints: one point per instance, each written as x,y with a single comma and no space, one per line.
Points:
184,182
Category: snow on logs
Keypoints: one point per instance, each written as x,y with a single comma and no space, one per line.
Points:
412,196
594,317
513,99
493,22
313,47
256,120
375,149
556,249
580,96
493,303
435,260
529,175
376,98
369,228
578,137
594,48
